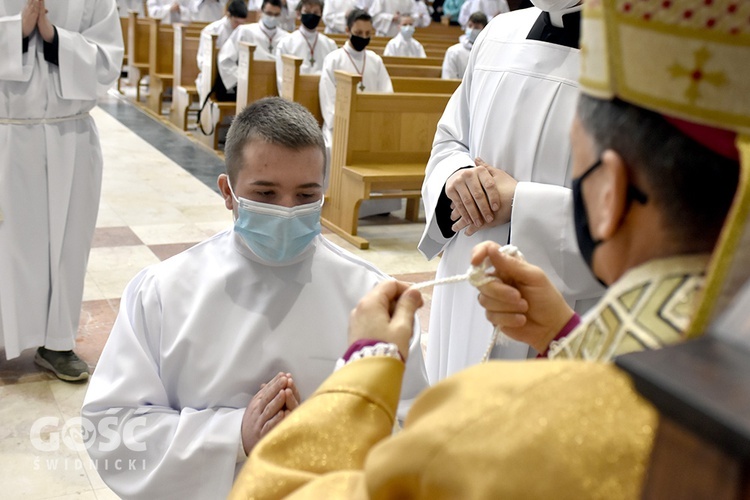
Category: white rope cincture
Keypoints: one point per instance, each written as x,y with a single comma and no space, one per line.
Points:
478,276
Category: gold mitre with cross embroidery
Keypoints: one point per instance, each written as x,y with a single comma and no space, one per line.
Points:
688,60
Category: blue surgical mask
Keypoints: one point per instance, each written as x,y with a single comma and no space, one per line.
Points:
275,233
472,34
407,31
270,21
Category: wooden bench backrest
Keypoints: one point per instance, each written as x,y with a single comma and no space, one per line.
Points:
255,79
417,85
185,57
414,71
161,59
301,88
413,61
124,21
139,33
405,124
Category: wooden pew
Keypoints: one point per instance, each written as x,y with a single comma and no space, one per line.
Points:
412,61
304,88
214,109
395,70
386,164
185,72
160,62
255,79
139,33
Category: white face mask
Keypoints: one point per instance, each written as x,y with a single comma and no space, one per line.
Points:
407,31
472,33
555,5
270,21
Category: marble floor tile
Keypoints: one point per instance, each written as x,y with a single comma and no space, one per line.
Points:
113,268
163,234
118,236
163,252
22,405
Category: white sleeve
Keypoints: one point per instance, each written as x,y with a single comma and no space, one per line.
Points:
422,17
381,20
415,376
422,53
333,18
549,240
15,65
327,92
449,66
465,12
384,79
450,152
90,61
158,9
228,60
279,64
143,446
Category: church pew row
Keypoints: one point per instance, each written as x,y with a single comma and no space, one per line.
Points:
304,88
389,164
185,72
139,33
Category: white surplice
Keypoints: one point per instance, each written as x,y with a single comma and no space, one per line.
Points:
513,109
456,59
401,47
195,337
223,30
383,12
125,6
50,167
374,79
334,15
311,46
491,8
265,41
207,11
421,14
162,9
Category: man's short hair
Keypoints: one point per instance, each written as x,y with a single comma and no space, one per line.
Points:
479,17
273,120
275,3
237,8
357,15
691,185
309,3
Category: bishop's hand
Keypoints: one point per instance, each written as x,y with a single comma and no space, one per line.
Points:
29,17
264,412
386,314
524,303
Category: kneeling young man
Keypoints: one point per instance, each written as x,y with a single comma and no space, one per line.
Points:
214,347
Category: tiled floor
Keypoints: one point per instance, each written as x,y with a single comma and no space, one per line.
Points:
158,198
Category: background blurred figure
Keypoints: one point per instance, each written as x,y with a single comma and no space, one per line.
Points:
457,56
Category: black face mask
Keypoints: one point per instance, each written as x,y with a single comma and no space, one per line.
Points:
310,21
586,242
358,42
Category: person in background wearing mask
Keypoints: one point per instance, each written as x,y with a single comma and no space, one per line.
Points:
491,8
334,15
499,171
207,11
404,44
352,58
386,15
215,346
457,56
265,35
306,43
236,15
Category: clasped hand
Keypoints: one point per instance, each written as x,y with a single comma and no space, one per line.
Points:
34,15
273,402
481,197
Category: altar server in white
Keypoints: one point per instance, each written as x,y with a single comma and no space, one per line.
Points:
386,15
265,34
125,6
207,11
223,28
457,56
421,14
504,133
55,58
214,347
352,58
169,11
306,42
404,44
334,15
